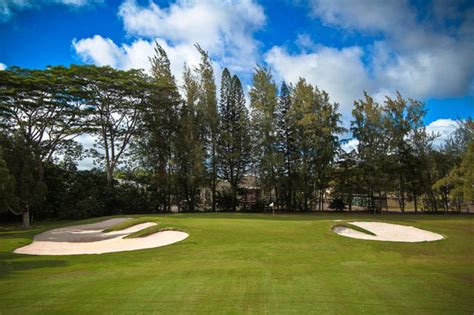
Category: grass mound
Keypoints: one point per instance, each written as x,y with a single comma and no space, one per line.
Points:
354,227
152,230
159,227
129,223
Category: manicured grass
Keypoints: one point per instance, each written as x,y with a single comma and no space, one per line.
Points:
354,227
250,263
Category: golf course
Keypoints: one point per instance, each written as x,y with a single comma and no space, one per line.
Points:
249,263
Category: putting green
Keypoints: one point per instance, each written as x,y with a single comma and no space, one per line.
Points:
250,263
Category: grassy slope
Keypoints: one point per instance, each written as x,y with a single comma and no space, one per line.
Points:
129,223
234,263
161,226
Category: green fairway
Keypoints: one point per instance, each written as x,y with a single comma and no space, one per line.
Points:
250,263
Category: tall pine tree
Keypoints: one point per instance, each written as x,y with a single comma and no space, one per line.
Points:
263,102
208,118
234,141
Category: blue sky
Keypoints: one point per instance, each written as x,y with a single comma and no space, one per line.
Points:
424,49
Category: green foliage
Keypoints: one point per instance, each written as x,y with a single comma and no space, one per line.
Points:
208,118
263,102
234,141
44,106
176,147
460,181
116,100
190,149
7,184
158,126
316,126
24,189
287,147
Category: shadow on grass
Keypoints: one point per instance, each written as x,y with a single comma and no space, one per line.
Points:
15,263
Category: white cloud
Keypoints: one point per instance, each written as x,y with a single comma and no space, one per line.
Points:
224,28
2,66
8,8
419,57
443,128
103,51
87,142
368,15
414,52
350,145
340,72
98,50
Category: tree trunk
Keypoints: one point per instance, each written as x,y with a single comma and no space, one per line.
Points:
40,170
350,202
234,196
415,202
372,200
110,178
168,187
445,201
26,219
402,201
213,178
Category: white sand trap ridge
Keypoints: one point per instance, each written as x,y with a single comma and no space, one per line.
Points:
388,232
91,239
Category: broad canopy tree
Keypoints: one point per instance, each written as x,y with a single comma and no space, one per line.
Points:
44,106
21,188
115,99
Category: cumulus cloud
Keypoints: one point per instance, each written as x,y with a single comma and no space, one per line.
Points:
2,66
443,128
417,53
8,8
223,28
104,52
368,15
340,72
87,141
350,145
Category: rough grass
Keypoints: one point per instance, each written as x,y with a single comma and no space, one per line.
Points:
250,263
354,227
129,223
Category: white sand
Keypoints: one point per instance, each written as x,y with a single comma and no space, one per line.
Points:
389,232
90,239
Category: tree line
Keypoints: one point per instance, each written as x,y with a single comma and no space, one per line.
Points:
171,142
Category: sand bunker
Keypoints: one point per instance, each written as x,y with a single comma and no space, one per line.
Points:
91,239
388,232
